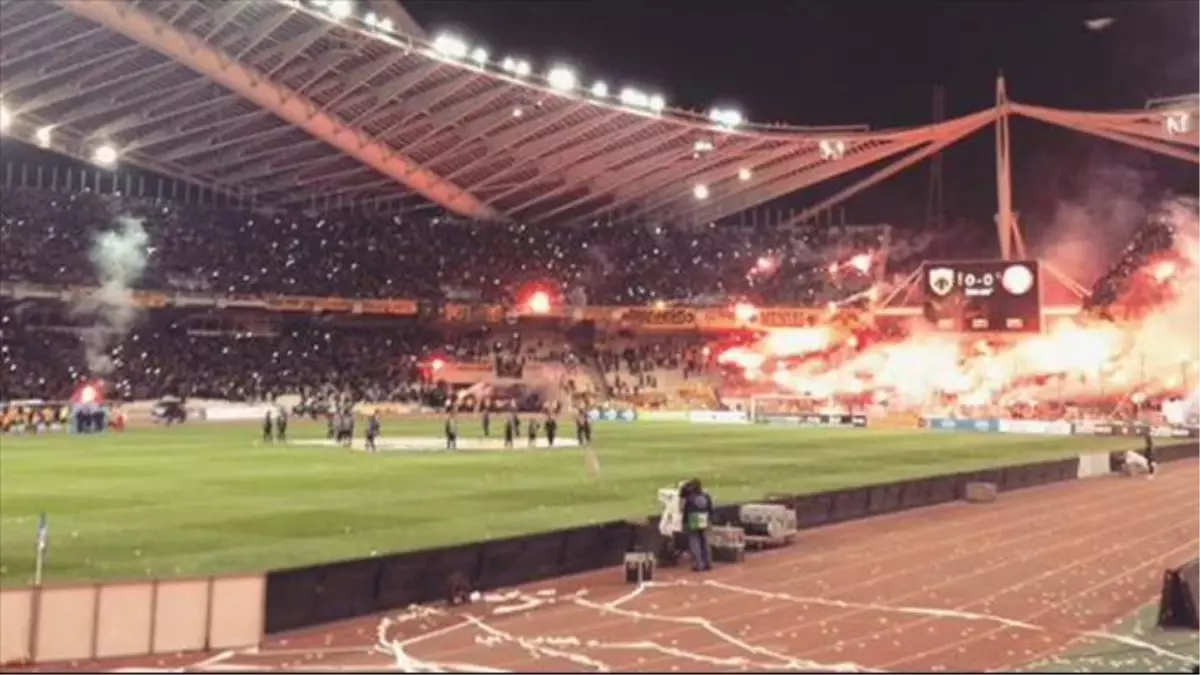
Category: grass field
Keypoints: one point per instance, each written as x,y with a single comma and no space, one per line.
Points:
202,499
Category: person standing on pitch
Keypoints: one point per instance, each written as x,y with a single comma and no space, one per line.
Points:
532,431
551,429
509,431
281,420
581,422
372,431
267,428
451,431
487,419
697,515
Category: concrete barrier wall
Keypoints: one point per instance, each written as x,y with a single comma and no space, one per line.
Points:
81,622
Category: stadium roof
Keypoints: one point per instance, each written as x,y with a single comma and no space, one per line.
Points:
281,101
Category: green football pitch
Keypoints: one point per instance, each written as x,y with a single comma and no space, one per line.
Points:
198,499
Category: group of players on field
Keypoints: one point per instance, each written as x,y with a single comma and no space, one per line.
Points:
341,428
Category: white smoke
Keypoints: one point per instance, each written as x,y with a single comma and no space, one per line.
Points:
119,258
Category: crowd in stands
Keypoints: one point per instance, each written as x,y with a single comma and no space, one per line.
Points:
225,251
220,250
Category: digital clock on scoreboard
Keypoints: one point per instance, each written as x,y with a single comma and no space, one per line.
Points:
984,295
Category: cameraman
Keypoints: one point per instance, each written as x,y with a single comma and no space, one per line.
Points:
697,516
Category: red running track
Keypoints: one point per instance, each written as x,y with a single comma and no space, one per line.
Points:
956,587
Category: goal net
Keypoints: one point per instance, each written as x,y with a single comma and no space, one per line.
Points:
802,410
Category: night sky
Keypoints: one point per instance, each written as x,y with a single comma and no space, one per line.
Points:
852,61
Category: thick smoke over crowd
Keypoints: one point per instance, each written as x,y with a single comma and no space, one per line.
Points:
119,258
1150,350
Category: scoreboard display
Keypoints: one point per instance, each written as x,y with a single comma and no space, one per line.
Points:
984,296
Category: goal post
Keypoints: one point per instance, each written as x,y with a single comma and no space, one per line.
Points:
800,410
764,407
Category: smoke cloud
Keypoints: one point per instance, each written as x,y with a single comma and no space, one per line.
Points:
119,258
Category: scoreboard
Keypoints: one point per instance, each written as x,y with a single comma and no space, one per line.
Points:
984,296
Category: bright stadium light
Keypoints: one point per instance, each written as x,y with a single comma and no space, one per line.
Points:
385,25
633,97
43,136
561,78
341,9
509,65
450,45
479,55
105,155
745,174
371,19
522,68
5,118
700,192
701,146
600,90
726,117
656,103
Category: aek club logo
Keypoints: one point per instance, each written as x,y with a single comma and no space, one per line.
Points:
941,280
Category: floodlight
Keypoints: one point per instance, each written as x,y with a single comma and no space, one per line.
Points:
508,65
745,174
341,9
633,97
105,155
43,136
522,68
726,117
600,90
479,55
561,78
656,103
5,118
517,112
385,25
700,192
450,45
702,145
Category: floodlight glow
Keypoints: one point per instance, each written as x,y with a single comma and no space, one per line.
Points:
656,103
561,78
370,19
508,65
385,25
702,145
341,9
600,90
43,136
726,117
450,45
105,155
517,112
522,68
479,55
700,192
745,174
5,118
633,97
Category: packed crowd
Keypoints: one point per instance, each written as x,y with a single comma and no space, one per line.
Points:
224,251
